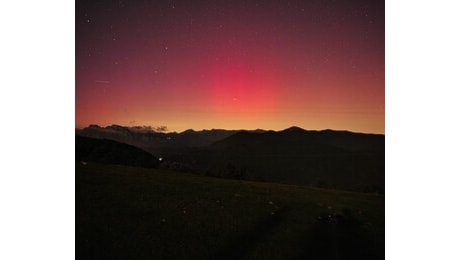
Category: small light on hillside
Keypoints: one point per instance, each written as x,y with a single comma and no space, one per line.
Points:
160,159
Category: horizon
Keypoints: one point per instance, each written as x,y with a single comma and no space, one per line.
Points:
170,131
239,65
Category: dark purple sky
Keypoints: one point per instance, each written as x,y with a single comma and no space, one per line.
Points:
231,64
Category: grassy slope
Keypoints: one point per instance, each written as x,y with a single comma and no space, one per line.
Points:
135,213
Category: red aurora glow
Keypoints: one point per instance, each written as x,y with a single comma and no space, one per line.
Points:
231,64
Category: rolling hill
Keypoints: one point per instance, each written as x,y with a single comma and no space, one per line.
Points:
157,143
112,152
332,159
327,158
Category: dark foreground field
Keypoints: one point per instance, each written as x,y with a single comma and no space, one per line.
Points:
135,213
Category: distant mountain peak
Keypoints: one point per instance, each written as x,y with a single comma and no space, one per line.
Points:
294,129
188,131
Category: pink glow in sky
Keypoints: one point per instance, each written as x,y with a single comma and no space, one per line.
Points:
231,64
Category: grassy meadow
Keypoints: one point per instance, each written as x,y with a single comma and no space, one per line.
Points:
126,212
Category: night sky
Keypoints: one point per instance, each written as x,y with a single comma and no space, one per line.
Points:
231,64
